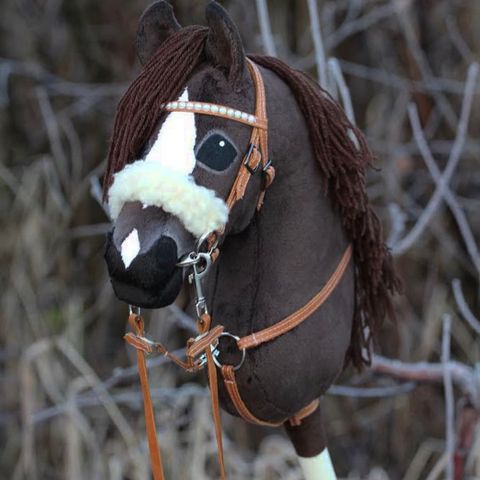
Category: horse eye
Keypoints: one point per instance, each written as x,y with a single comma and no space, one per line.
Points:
217,152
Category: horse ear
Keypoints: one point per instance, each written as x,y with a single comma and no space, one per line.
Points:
224,46
156,24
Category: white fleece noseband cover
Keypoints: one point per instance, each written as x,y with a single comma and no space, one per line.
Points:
151,183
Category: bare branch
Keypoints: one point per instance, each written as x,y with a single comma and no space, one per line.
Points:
391,80
334,67
463,306
83,231
463,376
185,320
96,193
453,160
423,65
88,400
371,392
320,57
360,24
452,202
449,399
53,133
457,39
265,28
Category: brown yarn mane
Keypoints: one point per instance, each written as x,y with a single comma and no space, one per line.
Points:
343,163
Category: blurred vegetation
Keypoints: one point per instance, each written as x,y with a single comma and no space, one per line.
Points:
70,404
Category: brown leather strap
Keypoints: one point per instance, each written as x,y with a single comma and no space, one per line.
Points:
203,344
305,412
230,381
147,347
257,338
228,373
269,176
208,337
260,109
137,324
204,327
257,155
276,330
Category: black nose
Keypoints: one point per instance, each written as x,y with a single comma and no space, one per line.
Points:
152,280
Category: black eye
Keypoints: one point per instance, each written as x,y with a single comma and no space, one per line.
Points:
217,152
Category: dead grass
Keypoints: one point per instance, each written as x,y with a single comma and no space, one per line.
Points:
70,405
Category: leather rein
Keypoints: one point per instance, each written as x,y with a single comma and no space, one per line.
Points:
203,350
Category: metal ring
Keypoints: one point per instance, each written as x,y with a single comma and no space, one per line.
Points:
244,352
132,309
201,241
195,257
188,260
204,238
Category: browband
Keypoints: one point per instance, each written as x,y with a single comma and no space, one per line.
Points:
259,120
216,110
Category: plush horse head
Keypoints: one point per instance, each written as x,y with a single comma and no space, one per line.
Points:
189,132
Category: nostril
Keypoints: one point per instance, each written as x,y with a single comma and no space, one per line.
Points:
163,254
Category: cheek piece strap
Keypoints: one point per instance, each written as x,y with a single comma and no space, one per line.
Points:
203,350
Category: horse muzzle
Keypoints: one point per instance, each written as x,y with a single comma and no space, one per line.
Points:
151,280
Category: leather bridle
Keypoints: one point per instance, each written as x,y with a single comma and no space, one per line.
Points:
203,349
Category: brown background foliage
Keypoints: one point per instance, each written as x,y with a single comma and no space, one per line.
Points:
70,405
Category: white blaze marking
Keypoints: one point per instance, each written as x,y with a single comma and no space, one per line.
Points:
319,467
174,146
130,248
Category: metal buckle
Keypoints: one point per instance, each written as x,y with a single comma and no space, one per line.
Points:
202,359
244,352
132,309
246,161
265,167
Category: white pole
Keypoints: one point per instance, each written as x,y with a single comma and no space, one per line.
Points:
319,467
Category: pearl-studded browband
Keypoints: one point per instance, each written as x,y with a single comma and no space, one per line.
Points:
214,109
